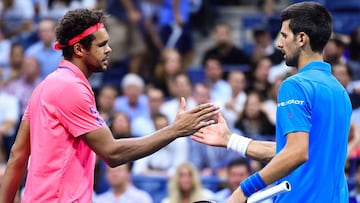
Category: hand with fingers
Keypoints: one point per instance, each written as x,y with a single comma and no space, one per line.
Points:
217,134
237,197
188,122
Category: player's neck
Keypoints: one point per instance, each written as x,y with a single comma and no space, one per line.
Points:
80,64
306,58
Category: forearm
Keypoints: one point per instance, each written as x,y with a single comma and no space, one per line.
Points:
131,149
281,165
17,164
13,177
259,150
262,151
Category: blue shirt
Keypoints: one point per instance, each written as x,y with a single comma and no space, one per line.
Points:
166,15
141,108
48,58
314,101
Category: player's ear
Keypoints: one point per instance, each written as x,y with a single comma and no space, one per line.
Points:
78,49
302,38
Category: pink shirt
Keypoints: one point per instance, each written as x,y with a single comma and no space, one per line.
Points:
61,109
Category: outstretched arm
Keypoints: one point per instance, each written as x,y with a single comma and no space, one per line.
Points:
116,152
219,134
289,158
17,164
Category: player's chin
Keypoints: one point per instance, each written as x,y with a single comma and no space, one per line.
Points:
101,69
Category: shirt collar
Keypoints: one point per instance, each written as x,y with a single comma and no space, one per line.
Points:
73,68
318,65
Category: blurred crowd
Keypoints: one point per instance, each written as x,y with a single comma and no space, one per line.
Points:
153,55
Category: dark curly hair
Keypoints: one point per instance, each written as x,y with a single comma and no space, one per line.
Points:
74,23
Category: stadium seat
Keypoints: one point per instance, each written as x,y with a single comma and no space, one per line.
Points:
345,22
343,5
156,186
196,75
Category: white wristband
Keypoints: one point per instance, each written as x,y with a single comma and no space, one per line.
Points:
238,143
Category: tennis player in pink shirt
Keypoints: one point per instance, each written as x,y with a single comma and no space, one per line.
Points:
62,130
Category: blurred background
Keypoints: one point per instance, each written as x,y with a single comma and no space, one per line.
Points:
204,50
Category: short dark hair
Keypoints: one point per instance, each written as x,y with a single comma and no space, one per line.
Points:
311,18
74,23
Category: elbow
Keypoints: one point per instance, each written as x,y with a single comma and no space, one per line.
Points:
302,157
113,159
111,163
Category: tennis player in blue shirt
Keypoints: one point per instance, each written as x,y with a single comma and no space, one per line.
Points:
312,123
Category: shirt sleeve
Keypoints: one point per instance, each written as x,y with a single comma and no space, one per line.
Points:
76,110
294,108
26,115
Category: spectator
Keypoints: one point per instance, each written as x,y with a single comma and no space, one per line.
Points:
235,105
124,25
354,142
133,101
154,45
120,125
236,171
106,102
270,104
210,161
185,186
121,187
354,194
253,122
23,87
224,47
220,90
144,125
334,51
168,67
343,74
175,29
354,55
5,46
57,8
258,77
15,15
264,46
182,88
43,50
16,59
164,161
9,116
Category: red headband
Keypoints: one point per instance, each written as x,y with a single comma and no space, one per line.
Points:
79,37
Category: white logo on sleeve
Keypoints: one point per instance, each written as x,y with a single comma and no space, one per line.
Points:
291,101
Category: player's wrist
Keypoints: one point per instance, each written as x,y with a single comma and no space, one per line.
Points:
238,143
252,184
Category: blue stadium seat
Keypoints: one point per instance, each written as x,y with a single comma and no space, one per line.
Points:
196,75
343,5
346,22
211,182
241,67
156,186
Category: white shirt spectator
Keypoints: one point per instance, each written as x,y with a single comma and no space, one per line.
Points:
9,110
